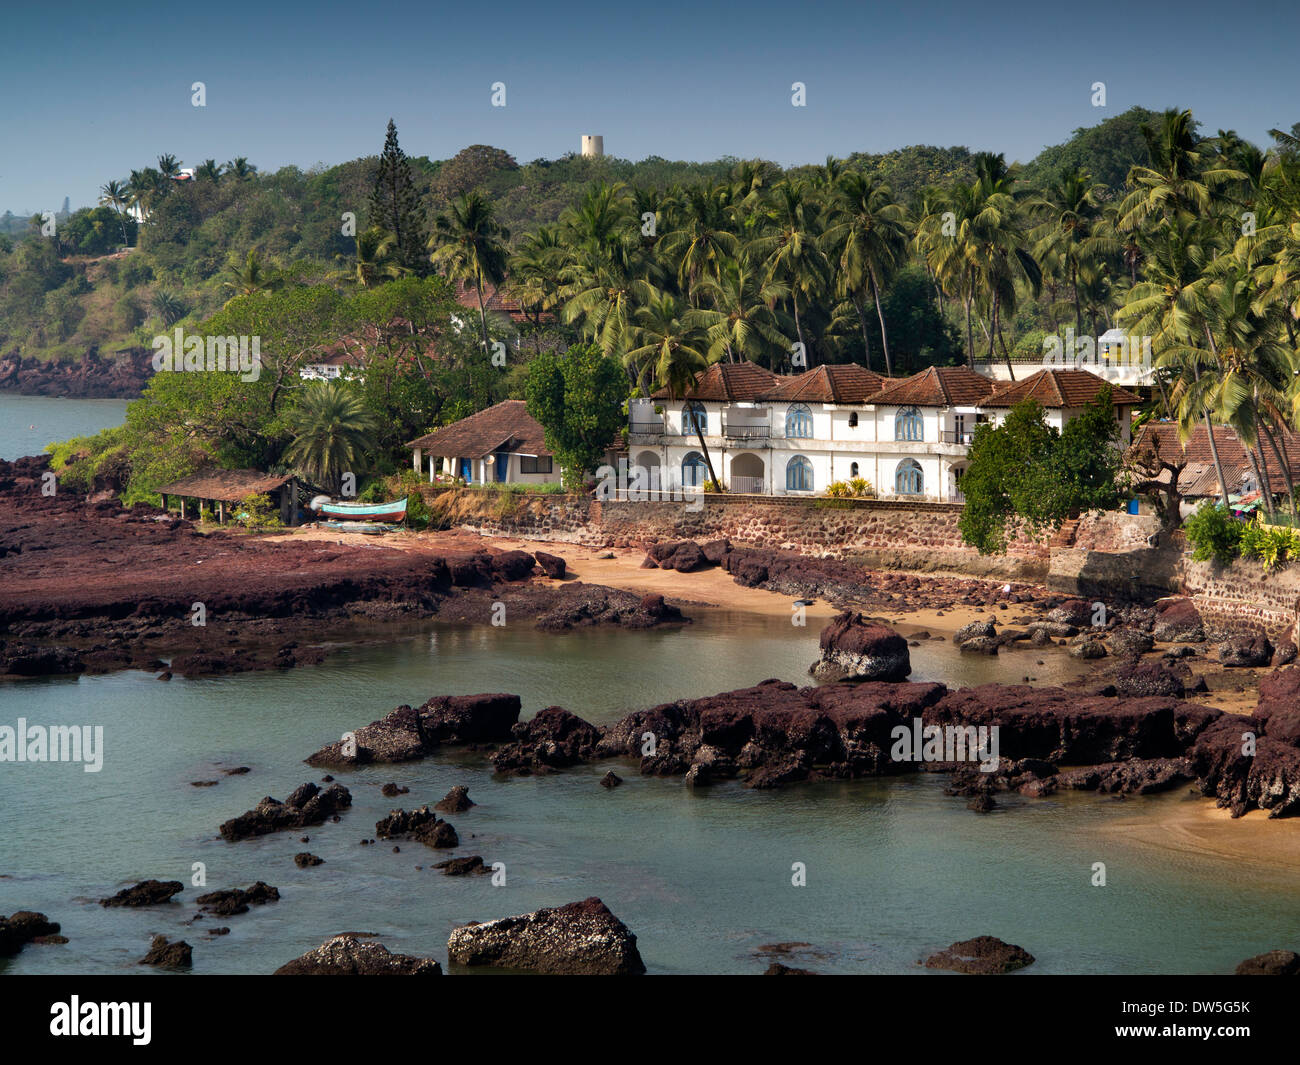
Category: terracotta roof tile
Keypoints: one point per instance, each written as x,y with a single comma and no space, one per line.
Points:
505,427
727,381
1058,388
938,386
1199,476
845,383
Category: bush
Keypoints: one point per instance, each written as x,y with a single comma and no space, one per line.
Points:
1214,534
838,489
861,486
258,512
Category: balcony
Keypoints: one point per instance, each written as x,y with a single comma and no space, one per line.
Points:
747,433
955,436
655,428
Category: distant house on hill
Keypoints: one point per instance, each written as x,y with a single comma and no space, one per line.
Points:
794,435
503,444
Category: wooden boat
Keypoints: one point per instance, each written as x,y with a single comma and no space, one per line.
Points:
372,512
364,527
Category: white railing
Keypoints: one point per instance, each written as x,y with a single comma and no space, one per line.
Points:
747,485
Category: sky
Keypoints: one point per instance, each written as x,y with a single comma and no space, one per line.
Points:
90,92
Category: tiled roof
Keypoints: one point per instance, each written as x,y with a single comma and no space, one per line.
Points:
846,383
1199,476
1058,388
939,386
228,486
494,300
506,427
728,381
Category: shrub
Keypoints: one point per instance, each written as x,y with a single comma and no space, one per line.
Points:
258,512
861,486
838,489
1214,534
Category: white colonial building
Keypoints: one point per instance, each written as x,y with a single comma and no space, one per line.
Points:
794,435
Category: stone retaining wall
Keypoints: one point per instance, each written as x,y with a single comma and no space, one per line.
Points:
1242,596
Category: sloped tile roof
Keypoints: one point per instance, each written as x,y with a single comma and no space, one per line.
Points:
505,427
1199,476
938,386
846,383
1058,388
228,486
727,381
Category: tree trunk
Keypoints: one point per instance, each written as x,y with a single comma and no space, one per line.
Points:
482,311
1209,428
993,326
970,338
1285,467
880,313
1078,311
862,321
708,459
1006,354
1261,463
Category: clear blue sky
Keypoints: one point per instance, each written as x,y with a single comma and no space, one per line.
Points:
89,92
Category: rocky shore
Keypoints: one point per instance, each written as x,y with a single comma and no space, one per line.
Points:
93,376
88,586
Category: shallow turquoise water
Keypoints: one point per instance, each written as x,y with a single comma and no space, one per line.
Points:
894,869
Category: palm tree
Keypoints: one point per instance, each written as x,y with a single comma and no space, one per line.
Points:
792,253
240,168
373,260
469,245
249,277
209,170
702,241
1068,207
117,195
868,240
535,269
168,306
333,432
741,321
169,166
945,237
669,346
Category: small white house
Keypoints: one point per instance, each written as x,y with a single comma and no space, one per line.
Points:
503,444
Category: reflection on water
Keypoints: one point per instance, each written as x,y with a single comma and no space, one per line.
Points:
895,869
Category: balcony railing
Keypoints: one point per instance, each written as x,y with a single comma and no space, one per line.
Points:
747,485
655,428
955,436
743,431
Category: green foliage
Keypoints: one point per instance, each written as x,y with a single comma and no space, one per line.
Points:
333,432
1024,469
1214,534
577,398
860,486
258,512
1107,150
838,489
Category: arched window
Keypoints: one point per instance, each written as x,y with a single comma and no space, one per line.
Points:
798,475
853,419
909,480
908,425
798,422
694,414
853,469
694,470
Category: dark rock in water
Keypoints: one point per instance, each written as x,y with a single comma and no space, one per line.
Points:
981,956
1177,621
348,955
456,801
1087,646
145,893
168,955
25,660
1279,705
1246,651
777,969
1136,777
685,556
553,739
582,938
1285,652
984,629
611,780
240,770
1241,781
421,825
407,734
219,931
1148,678
234,901
1271,963
855,649
308,805
982,803
23,927
391,790
305,859
980,645
552,565
462,866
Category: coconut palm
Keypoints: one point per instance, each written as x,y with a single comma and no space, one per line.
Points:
209,170
240,168
867,240
373,260
702,240
740,320
468,245
117,195
249,277
333,432
792,252
1067,207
